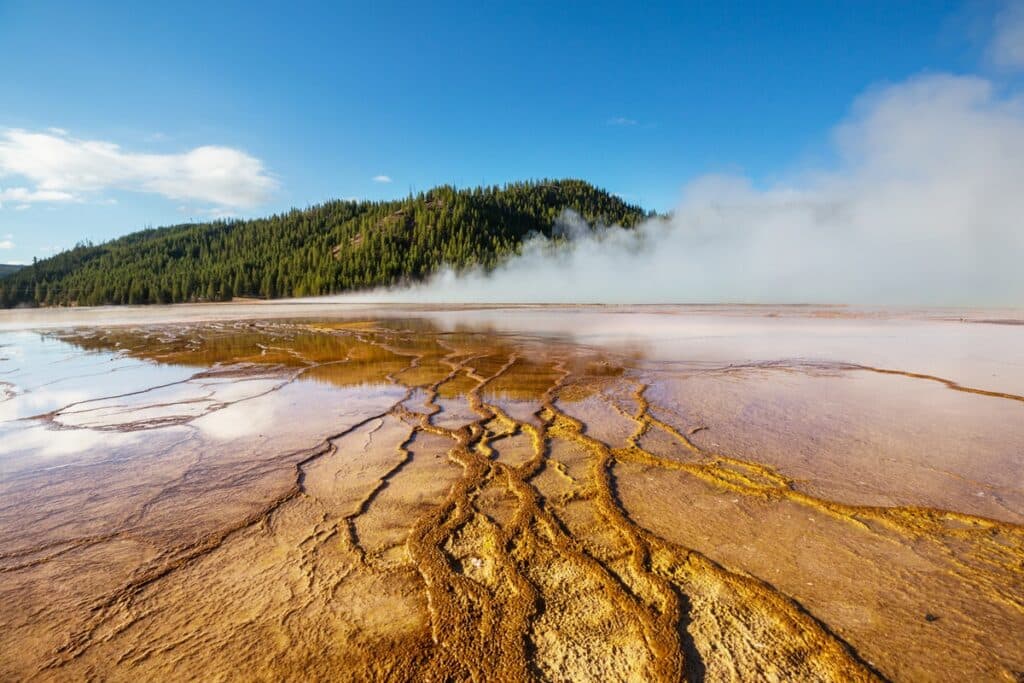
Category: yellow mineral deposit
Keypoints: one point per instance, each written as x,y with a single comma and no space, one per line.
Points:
465,496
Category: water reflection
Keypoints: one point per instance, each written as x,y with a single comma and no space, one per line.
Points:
327,475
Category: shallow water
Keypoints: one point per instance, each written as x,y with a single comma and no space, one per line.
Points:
530,492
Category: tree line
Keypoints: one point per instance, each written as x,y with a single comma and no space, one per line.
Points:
334,247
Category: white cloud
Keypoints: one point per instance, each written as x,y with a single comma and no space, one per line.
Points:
6,244
23,194
215,212
621,121
381,179
923,207
63,168
22,207
1007,47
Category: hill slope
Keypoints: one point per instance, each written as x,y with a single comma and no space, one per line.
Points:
8,269
334,247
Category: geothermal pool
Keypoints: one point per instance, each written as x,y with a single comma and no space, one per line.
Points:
511,493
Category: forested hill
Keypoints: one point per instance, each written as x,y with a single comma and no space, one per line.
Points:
7,269
334,247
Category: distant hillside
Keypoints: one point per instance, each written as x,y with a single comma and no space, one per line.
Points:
8,269
334,247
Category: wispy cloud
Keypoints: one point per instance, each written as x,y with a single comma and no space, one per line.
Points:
25,195
215,212
7,242
64,168
381,179
1007,47
622,121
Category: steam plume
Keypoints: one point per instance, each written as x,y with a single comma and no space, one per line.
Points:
924,205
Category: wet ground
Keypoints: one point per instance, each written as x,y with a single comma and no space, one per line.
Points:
570,493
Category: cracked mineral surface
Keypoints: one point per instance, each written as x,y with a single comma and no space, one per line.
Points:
568,493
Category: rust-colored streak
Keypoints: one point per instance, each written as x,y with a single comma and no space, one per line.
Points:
472,524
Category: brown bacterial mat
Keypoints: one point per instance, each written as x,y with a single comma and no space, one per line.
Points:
376,501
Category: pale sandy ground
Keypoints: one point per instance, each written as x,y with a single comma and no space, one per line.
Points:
312,491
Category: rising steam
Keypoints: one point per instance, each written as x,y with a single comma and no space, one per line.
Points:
924,205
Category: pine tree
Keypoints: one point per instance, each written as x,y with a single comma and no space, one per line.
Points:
332,247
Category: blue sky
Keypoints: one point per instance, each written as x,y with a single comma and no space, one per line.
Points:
118,116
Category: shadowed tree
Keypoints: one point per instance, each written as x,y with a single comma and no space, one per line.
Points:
333,247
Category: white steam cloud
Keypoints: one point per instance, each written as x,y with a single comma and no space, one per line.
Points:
1007,48
925,205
